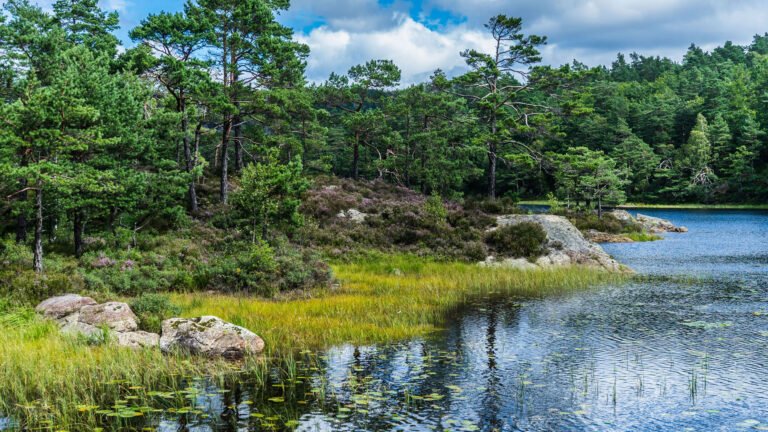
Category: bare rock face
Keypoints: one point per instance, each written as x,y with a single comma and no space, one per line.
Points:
60,307
565,242
601,237
658,225
209,336
138,340
117,316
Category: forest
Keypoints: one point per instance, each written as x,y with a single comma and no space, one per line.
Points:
208,120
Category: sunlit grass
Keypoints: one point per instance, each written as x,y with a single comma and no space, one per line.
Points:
382,301
643,237
49,379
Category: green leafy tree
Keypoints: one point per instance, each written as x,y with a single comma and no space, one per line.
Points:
495,86
269,195
356,100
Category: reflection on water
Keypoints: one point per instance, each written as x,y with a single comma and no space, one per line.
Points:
665,352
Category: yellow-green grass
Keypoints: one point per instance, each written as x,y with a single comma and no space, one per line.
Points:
48,377
382,301
640,236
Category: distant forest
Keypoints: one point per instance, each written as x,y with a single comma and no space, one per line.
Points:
210,112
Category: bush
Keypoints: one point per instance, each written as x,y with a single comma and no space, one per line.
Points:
435,208
523,240
152,310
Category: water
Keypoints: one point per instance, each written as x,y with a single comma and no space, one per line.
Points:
665,352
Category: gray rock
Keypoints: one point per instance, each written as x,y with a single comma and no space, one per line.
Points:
353,215
512,263
622,216
74,327
658,225
566,243
209,336
138,340
115,315
59,307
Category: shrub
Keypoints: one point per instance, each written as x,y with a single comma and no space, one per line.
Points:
435,208
152,310
523,240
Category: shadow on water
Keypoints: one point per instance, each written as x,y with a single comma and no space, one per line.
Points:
681,347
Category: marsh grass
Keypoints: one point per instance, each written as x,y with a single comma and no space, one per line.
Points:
383,301
62,383
644,237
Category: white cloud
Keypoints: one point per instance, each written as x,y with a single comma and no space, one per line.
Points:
418,50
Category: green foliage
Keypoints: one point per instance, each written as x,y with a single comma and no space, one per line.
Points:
589,176
436,209
152,310
523,240
270,194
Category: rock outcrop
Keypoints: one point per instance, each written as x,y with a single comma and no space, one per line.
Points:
209,336
658,225
353,215
565,243
602,237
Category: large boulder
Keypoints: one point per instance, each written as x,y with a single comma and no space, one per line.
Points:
138,340
60,307
209,336
565,243
115,315
658,225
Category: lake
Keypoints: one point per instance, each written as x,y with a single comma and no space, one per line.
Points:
681,347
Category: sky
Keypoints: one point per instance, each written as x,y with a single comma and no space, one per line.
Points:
423,35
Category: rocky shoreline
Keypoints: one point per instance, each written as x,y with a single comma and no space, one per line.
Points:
648,224
566,246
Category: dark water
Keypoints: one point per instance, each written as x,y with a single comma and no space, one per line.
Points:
669,351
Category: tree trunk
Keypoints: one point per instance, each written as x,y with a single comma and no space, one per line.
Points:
78,223
38,248
492,160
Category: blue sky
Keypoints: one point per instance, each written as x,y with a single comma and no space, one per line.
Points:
422,35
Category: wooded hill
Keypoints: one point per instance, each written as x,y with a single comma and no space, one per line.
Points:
95,140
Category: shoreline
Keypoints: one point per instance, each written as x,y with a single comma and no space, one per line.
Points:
691,206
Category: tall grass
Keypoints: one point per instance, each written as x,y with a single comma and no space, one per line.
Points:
382,301
49,380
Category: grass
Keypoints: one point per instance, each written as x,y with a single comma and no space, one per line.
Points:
49,379
641,236
382,301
